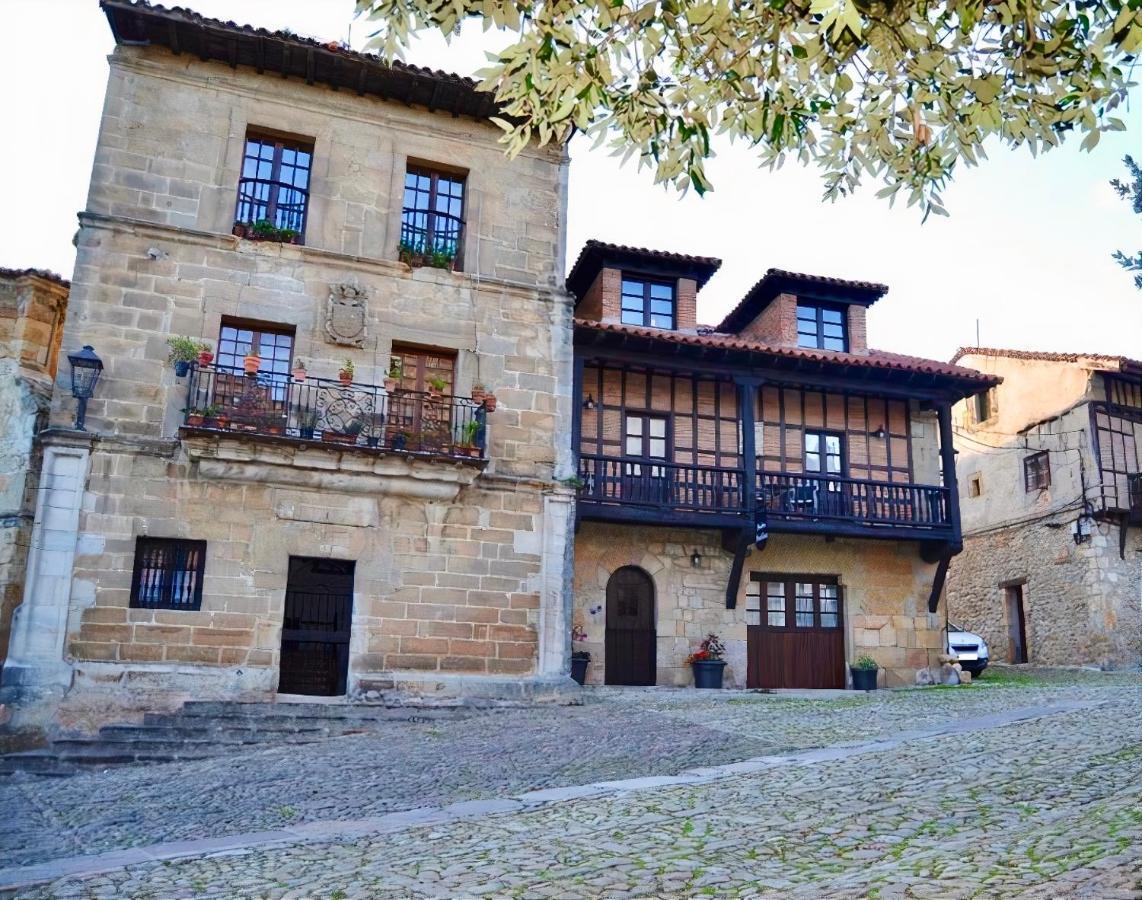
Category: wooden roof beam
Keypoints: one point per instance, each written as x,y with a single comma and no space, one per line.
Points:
309,66
260,55
172,36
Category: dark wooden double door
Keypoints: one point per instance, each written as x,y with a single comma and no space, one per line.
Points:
795,635
316,627
631,637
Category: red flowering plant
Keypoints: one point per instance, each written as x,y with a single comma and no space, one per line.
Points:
710,649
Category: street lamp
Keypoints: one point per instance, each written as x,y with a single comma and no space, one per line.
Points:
86,368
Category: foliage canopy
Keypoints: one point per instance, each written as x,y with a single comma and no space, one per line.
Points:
899,90
1131,190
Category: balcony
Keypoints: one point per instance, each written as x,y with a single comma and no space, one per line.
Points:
628,489
333,414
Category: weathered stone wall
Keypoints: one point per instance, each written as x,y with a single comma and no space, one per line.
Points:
1083,604
32,308
450,557
886,587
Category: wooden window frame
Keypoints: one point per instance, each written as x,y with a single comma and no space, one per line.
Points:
180,549
279,142
648,314
434,173
822,434
1037,471
790,582
818,307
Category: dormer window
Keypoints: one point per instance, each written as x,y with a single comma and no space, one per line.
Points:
821,326
648,303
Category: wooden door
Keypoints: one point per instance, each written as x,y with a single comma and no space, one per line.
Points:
1016,625
795,635
630,643
316,627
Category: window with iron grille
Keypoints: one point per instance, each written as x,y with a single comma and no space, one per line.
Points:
647,303
821,327
1037,471
432,220
274,186
168,574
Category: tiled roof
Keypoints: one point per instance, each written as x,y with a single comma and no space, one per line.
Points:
1121,362
45,274
775,281
328,62
875,359
594,253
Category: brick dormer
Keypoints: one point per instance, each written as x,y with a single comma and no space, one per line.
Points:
789,309
652,281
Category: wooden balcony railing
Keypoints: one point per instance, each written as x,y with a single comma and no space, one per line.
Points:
224,399
788,496
664,485
1135,484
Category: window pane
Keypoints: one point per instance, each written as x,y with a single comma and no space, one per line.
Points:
812,442
634,446
828,620
803,595
634,425
812,462
662,321
831,316
832,344
753,595
658,448
633,318
657,427
775,604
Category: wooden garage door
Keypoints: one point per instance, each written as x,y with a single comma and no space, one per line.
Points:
795,631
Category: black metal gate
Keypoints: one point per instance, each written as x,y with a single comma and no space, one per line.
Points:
630,638
316,627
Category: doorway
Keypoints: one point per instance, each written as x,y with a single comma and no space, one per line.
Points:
316,627
630,642
1016,624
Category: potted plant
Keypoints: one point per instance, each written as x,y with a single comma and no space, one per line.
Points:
205,354
400,440
864,672
708,663
215,417
273,424
480,394
195,417
265,230
345,375
299,371
436,387
580,659
306,421
252,362
441,259
183,351
411,254
469,439
392,379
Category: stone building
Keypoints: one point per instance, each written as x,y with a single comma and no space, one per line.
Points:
1050,475
32,308
232,529
774,480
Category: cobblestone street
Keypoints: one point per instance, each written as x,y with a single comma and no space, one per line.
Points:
1021,784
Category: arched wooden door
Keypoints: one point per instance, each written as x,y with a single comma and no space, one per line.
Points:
630,644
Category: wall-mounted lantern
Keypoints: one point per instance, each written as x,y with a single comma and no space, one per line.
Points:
86,368
696,559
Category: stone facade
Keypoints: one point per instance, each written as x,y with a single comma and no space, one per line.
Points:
886,586
460,566
32,309
1082,602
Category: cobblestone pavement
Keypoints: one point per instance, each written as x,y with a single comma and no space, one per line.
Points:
1044,807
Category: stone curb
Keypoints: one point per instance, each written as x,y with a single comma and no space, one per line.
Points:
334,829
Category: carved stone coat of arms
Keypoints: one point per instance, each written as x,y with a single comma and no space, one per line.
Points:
346,314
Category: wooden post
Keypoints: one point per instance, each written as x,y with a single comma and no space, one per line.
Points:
948,464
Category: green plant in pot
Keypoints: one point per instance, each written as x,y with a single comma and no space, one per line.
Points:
436,387
708,662
183,351
864,672
307,421
470,439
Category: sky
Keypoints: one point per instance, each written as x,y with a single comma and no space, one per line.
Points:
1026,253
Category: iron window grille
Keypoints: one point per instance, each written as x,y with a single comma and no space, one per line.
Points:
274,186
821,327
1037,471
432,218
648,303
168,574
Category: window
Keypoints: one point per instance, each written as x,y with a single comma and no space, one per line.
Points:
823,453
975,486
168,574
420,365
821,327
432,220
647,303
814,600
983,406
1037,471
275,183
645,437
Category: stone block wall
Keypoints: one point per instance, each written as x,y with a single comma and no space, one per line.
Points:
886,587
1082,602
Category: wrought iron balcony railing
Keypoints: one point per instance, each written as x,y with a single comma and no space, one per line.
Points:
431,238
788,496
226,399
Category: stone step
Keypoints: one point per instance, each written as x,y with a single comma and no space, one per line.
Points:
184,748
121,733
324,711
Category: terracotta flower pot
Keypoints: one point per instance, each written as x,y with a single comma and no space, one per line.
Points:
346,378
194,420
490,402
205,357
391,384
299,374
252,364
